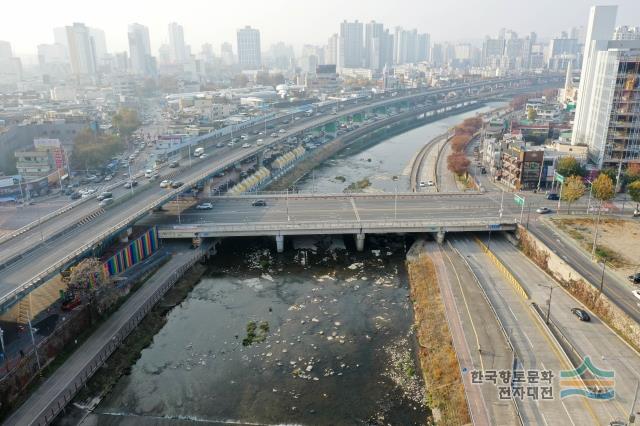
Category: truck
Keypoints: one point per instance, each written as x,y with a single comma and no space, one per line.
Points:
198,152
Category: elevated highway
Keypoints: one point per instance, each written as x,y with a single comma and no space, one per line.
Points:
40,253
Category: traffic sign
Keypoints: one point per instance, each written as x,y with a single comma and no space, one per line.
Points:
495,227
518,199
559,177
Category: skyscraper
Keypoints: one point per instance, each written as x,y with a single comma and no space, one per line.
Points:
81,50
350,45
249,56
607,117
140,50
226,53
99,44
331,51
176,43
373,35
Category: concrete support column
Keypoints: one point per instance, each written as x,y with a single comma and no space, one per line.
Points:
279,243
360,242
440,237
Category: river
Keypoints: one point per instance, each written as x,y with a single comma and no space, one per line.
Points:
381,162
339,347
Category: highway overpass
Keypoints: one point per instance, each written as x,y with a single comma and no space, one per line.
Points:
73,237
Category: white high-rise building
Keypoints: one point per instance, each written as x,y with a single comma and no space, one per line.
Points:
81,50
176,43
99,44
5,50
331,51
249,55
350,45
607,117
140,50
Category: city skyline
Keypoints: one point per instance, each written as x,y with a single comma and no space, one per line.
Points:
288,23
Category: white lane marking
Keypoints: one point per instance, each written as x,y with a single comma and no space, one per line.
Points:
512,313
355,209
527,337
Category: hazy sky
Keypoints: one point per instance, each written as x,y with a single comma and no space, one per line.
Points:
26,23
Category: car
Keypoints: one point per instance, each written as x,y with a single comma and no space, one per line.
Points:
636,293
174,164
204,206
131,184
581,314
635,278
148,173
422,184
553,197
231,144
106,202
274,135
176,184
203,155
430,183
246,145
75,196
282,130
259,203
543,210
259,142
104,196
219,145
107,178
165,184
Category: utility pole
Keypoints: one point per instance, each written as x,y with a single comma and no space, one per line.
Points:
590,195
604,263
549,304
632,416
4,353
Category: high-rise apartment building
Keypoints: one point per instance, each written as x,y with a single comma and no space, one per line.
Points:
607,116
82,53
331,51
249,54
350,45
176,44
226,53
142,62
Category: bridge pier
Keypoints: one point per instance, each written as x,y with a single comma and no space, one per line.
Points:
279,243
439,236
360,242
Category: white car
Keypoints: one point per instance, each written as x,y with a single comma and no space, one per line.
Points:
636,293
274,135
422,184
282,131
203,155
165,184
259,142
204,206
246,145
430,183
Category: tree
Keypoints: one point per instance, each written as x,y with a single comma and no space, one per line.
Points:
603,190
572,190
458,163
88,275
92,151
569,166
126,121
634,192
459,142
531,114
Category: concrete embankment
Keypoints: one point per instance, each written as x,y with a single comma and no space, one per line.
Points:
437,356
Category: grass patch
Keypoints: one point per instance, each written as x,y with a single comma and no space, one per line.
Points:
359,185
439,364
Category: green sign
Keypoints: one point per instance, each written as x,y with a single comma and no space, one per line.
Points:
519,200
559,178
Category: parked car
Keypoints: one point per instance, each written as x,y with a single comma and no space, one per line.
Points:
553,197
259,203
635,278
581,314
422,184
543,210
165,184
176,184
204,206
430,183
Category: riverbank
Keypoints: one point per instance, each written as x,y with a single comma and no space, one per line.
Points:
440,368
121,361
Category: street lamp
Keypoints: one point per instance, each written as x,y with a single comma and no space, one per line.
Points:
550,287
590,195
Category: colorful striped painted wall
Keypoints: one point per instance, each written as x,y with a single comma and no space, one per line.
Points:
137,250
